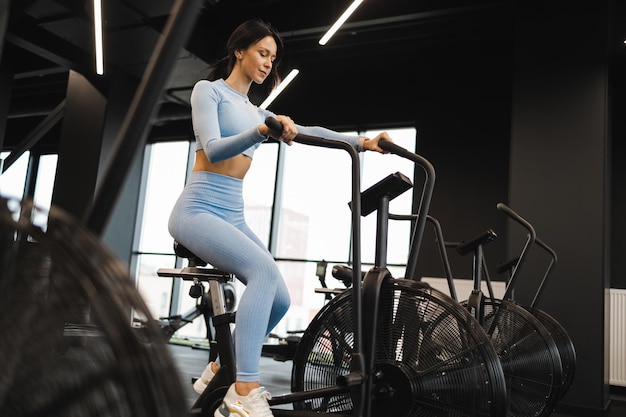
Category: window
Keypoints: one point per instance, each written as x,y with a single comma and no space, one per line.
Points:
12,181
44,185
258,190
166,170
167,166
315,221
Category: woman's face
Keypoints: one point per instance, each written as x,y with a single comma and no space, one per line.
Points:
257,60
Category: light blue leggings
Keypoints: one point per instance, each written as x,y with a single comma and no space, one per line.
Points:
208,219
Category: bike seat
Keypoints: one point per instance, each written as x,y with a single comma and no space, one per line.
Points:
468,246
183,252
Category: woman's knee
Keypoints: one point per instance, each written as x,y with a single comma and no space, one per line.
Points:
282,300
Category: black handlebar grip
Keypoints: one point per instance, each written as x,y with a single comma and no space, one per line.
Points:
342,272
512,214
274,125
393,148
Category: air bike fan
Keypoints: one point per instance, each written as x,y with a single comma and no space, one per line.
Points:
67,343
430,357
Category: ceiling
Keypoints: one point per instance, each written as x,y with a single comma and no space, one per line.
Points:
46,39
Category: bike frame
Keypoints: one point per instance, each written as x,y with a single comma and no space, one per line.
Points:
358,381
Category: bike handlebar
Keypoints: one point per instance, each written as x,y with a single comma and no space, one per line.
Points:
532,238
276,127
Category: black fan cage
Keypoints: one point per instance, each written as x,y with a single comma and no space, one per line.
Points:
432,358
529,357
565,346
68,345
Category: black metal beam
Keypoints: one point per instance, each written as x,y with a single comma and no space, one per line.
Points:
32,38
35,135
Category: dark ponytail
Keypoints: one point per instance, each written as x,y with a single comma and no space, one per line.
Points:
245,35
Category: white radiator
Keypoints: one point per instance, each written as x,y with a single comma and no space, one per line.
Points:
617,338
463,287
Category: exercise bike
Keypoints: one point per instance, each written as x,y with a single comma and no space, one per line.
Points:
564,344
526,349
386,346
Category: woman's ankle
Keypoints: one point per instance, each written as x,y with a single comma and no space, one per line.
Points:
244,388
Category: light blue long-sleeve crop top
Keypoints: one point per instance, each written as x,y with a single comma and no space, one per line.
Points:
225,123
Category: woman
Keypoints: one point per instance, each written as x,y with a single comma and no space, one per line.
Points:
208,217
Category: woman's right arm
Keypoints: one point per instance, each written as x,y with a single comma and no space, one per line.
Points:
206,126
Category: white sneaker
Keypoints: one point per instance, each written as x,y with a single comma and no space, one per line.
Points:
207,375
252,405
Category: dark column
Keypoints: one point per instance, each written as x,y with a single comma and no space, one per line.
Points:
5,7
463,123
6,81
618,148
119,231
559,176
80,144
5,77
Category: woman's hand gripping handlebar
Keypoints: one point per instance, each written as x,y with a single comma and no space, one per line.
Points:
276,131
282,128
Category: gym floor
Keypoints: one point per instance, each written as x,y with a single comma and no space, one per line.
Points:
276,378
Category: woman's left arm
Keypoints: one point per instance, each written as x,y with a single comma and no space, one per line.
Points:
360,143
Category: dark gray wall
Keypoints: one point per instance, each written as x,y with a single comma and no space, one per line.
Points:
618,150
560,174
461,101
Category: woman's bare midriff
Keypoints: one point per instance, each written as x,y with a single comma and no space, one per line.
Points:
235,167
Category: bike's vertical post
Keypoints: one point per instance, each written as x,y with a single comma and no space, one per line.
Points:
355,379
441,244
546,274
382,228
476,301
424,204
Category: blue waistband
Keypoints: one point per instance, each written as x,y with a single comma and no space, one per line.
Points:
210,187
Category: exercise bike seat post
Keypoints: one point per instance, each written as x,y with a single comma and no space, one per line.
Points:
476,300
219,316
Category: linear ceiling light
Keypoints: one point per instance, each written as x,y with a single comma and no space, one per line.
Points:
340,21
284,83
97,27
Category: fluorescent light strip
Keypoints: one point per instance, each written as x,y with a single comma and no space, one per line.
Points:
284,83
340,21
97,26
